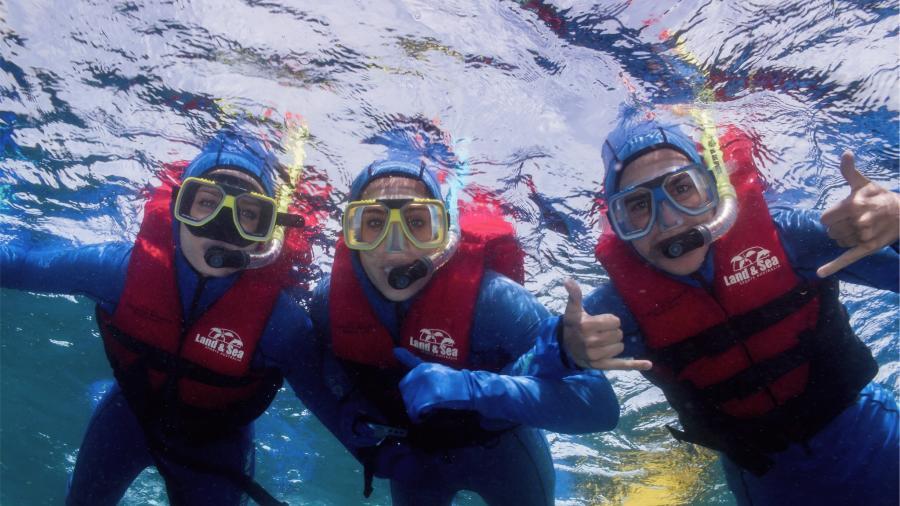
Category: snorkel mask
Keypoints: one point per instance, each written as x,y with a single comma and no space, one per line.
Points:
692,190
225,208
661,201
421,222
230,209
401,221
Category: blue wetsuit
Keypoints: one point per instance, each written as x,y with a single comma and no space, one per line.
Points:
854,459
116,447
509,327
115,450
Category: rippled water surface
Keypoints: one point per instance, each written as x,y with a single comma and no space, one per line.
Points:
96,95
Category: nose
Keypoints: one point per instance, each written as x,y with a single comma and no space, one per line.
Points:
668,217
395,241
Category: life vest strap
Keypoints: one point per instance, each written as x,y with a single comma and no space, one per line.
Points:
749,442
717,340
239,479
755,461
756,377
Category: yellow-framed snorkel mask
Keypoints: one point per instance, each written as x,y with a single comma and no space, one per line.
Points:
423,222
200,202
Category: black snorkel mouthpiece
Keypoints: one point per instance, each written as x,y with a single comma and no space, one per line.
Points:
218,257
683,243
401,277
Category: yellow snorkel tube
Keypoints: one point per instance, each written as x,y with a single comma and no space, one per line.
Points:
296,142
726,209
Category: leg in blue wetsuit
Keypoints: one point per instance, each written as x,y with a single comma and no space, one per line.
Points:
115,451
188,484
853,460
516,469
112,454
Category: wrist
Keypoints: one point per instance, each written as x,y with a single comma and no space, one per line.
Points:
566,359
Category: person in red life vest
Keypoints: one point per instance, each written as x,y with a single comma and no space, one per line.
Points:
429,348
750,346
197,316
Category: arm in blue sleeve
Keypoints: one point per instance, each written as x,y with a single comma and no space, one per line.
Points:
523,338
808,246
286,338
580,402
605,299
315,375
97,271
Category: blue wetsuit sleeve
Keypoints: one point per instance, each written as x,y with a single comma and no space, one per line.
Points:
605,299
533,351
547,357
582,401
283,343
808,246
293,345
96,271
317,378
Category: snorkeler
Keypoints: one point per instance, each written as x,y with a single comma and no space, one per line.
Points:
752,349
195,316
425,343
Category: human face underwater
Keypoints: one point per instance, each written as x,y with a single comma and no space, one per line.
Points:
670,222
194,247
394,250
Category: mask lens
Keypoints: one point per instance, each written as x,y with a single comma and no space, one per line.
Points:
688,189
632,212
255,216
199,201
365,225
423,222
418,221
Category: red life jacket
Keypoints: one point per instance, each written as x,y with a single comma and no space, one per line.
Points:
437,326
742,360
200,369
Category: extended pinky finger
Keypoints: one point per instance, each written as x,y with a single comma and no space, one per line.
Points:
847,258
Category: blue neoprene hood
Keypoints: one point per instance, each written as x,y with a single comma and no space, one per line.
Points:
237,149
391,167
631,139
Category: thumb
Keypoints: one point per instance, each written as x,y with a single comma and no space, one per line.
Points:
851,175
573,306
406,358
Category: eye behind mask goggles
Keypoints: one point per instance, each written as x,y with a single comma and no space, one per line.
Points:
689,190
422,222
225,209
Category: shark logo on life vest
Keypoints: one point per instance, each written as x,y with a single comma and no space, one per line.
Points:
435,342
224,342
750,264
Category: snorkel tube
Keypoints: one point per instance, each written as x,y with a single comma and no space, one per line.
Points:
218,257
727,208
403,276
